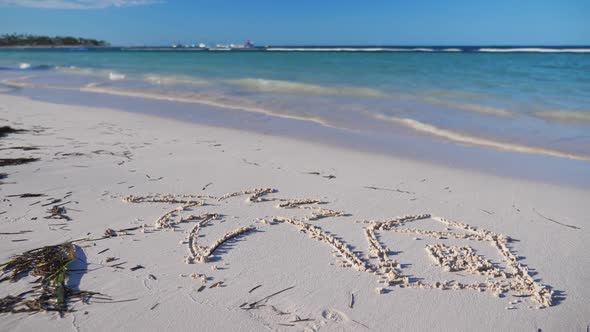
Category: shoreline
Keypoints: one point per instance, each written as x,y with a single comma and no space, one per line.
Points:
97,157
417,141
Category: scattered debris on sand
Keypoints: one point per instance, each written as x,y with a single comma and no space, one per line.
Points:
16,161
57,212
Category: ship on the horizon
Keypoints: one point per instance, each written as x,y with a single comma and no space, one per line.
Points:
200,46
248,45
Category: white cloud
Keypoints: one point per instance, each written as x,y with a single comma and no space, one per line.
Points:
76,4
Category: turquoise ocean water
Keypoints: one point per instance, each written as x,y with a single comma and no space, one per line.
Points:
517,101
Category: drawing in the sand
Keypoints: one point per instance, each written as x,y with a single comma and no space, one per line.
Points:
513,277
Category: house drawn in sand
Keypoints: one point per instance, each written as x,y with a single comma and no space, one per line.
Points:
511,277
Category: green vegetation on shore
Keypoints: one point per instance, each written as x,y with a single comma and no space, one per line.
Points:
32,40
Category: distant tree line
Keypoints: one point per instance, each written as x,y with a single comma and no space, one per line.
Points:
32,40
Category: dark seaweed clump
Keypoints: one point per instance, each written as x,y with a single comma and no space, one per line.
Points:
49,291
5,130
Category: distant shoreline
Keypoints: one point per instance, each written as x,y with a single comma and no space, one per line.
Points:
350,49
50,46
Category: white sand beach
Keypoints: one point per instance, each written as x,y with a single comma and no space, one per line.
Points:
216,229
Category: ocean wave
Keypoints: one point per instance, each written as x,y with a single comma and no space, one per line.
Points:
482,109
478,141
208,100
17,82
73,70
564,116
277,86
98,73
23,82
173,80
535,50
349,49
28,66
113,76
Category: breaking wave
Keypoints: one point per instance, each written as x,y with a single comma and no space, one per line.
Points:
481,109
173,80
204,99
564,116
536,50
478,141
348,49
113,76
278,86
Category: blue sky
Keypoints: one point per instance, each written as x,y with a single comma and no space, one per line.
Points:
306,22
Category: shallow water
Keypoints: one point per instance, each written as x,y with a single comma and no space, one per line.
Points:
489,104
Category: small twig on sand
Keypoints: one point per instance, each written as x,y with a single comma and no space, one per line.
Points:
255,304
26,195
16,233
351,305
387,189
249,162
555,221
57,200
120,301
361,324
217,284
278,311
255,288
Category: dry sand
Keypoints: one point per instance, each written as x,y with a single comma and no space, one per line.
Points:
216,229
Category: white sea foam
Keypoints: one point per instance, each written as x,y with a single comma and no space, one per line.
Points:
278,86
83,71
99,73
116,76
564,116
209,100
479,141
173,80
483,109
347,49
535,50
24,65
452,50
